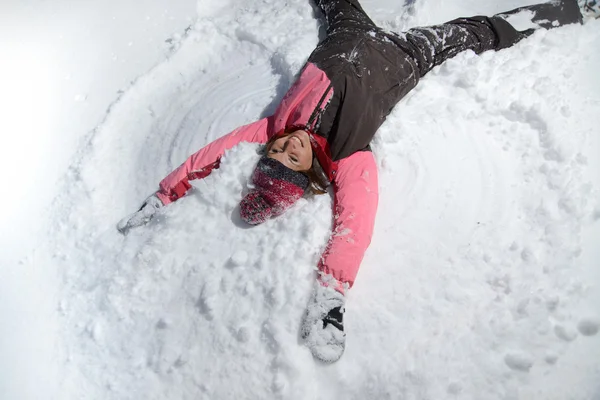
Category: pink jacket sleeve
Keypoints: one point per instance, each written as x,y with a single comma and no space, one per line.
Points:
200,164
355,206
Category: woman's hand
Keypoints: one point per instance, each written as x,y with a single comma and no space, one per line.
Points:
323,326
142,216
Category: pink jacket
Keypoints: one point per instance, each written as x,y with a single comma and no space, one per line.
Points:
354,178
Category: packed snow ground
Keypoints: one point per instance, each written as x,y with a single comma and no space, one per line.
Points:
473,287
63,64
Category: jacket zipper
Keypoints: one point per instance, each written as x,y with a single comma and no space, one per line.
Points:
318,107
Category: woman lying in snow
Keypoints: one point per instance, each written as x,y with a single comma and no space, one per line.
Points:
320,134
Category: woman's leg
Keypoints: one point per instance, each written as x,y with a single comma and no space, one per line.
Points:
549,15
430,46
344,14
347,27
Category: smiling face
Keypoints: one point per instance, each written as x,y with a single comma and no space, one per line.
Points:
293,151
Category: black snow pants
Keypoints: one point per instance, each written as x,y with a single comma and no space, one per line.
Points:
372,69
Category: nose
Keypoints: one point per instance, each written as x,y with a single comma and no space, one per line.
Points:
293,142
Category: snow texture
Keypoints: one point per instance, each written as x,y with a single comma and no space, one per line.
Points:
522,20
474,286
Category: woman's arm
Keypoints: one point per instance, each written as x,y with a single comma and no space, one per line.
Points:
197,166
355,206
200,164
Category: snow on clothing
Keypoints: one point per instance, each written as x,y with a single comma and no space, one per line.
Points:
348,86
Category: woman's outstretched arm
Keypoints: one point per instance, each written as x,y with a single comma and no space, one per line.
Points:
200,164
197,166
355,206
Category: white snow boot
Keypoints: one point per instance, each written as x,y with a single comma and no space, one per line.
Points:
142,216
323,326
590,9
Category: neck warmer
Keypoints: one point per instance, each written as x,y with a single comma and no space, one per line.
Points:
276,188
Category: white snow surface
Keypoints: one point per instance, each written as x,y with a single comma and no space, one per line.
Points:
478,283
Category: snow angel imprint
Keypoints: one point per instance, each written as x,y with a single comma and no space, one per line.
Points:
319,135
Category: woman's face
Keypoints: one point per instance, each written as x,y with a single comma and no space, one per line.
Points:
293,151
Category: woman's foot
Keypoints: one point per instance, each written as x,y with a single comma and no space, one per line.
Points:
323,325
590,9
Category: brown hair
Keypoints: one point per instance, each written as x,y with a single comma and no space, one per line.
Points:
317,178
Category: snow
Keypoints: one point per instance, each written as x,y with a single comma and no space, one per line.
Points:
522,20
63,65
481,279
